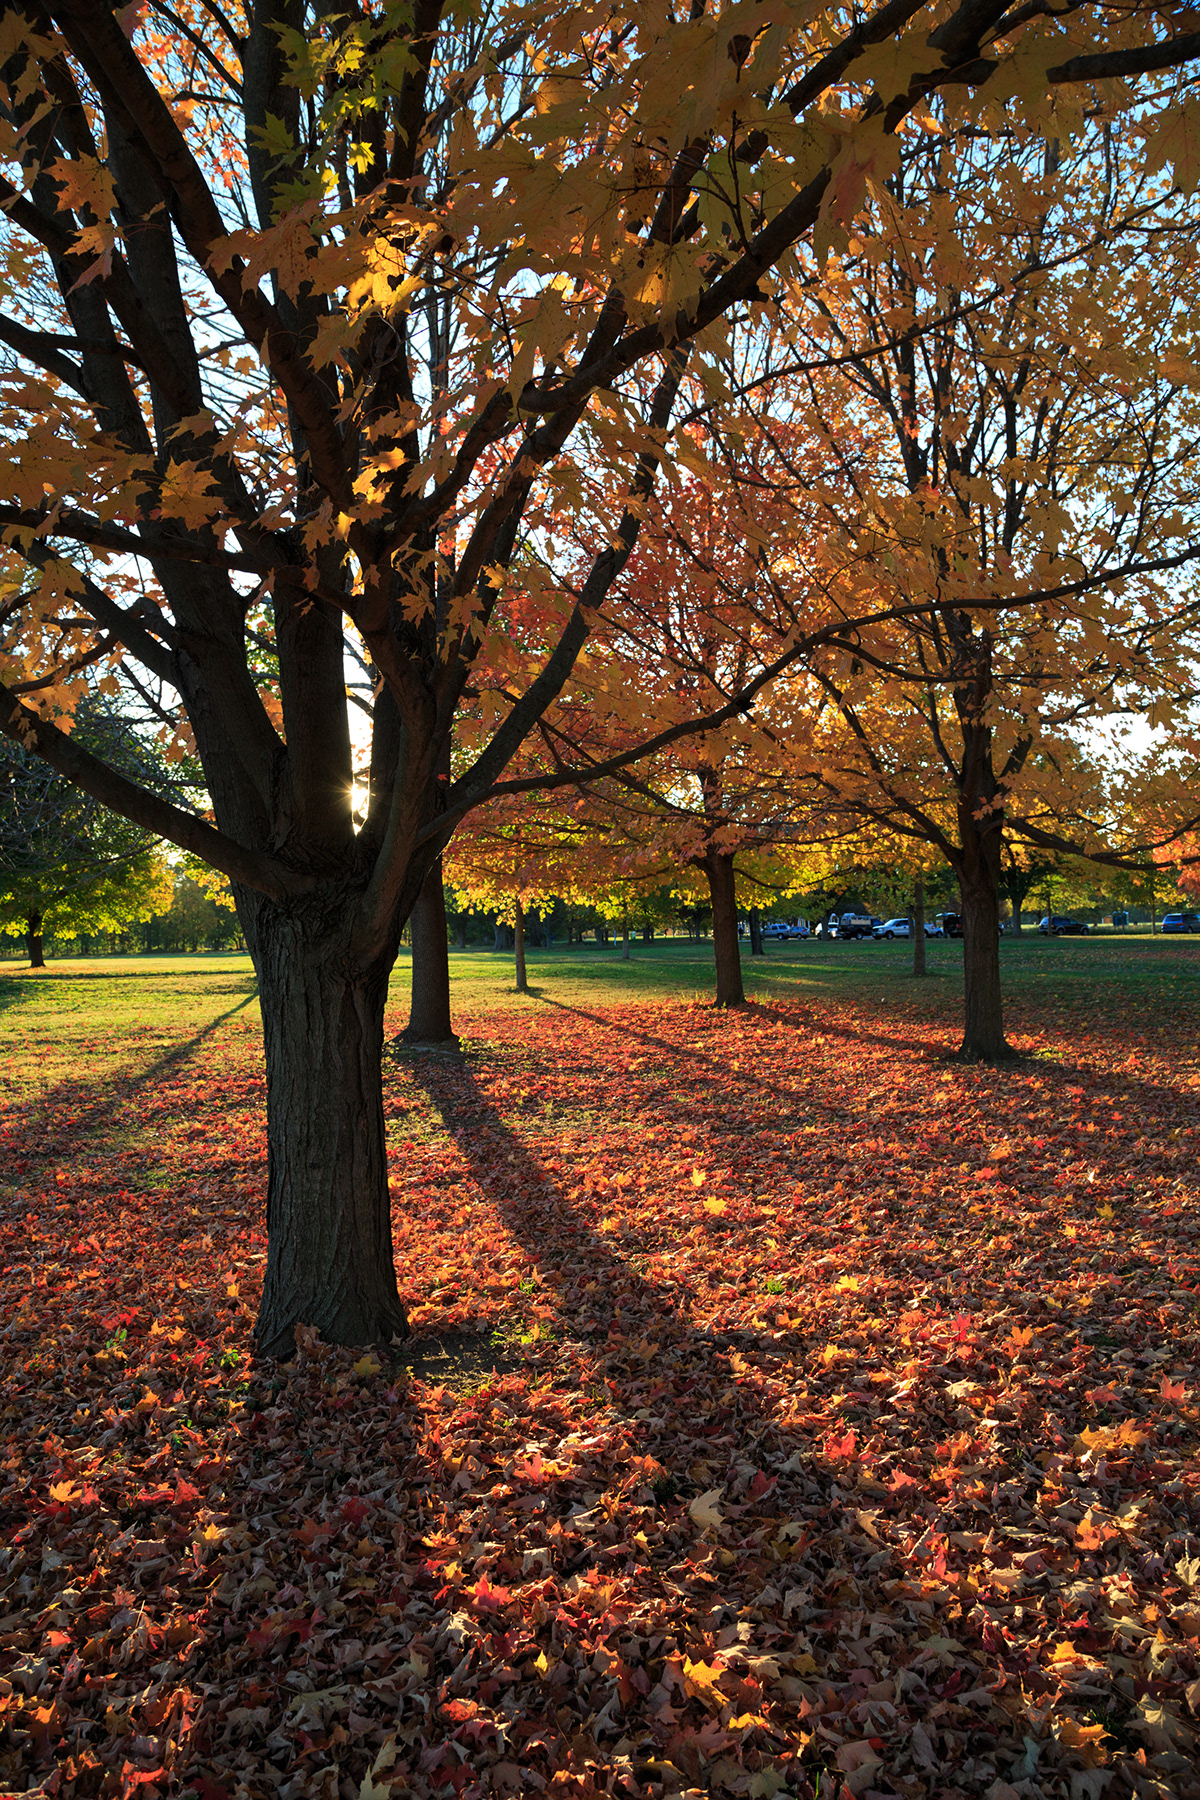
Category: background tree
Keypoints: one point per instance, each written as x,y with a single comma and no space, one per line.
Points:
1024,871
68,865
1030,489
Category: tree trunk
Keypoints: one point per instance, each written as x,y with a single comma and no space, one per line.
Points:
983,1034
33,941
756,936
429,1020
329,1222
918,926
625,938
726,953
460,931
519,949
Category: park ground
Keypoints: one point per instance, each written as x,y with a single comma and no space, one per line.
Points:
791,1408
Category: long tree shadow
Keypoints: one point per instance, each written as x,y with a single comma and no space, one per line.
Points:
1168,1106
92,1106
531,1204
643,1328
1115,1085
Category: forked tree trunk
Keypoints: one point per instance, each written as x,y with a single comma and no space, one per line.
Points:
429,1022
983,1033
329,1224
728,957
519,949
756,936
33,941
918,926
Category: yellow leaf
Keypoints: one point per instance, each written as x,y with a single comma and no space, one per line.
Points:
846,1284
1175,139
700,1679
698,1177
187,494
704,1510
716,1207
1099,1438
370,1789
367,1365
890,66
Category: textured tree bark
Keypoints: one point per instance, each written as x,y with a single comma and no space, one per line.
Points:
756,936
519,949
918,926
33,941
329,1225
726,953
429,1021
979,881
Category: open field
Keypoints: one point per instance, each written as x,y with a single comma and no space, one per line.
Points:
790,1408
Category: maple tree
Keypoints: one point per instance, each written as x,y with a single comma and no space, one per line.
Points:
310,316
1029,488
697,606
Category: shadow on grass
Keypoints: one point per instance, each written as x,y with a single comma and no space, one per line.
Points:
93,1105
641,1327
15,989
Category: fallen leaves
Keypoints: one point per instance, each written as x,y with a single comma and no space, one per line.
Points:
842,1482
705,1509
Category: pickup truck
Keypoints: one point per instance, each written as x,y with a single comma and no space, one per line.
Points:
856,925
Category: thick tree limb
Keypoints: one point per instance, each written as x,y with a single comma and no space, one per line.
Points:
252,868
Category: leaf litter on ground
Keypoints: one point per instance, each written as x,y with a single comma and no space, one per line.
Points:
791,1410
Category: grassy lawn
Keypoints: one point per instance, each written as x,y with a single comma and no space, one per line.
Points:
160,1001
788,1405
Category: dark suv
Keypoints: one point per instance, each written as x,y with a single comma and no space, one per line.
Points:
1058,927
1181,922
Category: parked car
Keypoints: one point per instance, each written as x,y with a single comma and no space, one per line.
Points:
1181,921
900,928
1056,926
856,925
950,923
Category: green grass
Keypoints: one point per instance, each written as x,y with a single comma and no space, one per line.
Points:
115,1018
